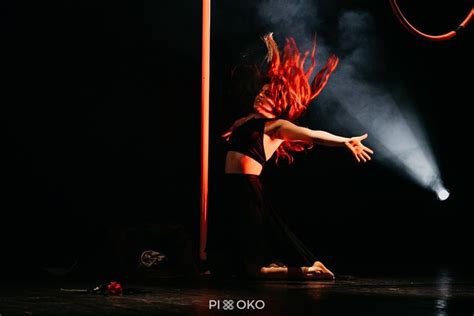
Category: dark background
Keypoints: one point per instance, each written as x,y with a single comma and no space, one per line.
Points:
100,120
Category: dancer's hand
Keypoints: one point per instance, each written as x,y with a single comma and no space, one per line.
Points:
360,152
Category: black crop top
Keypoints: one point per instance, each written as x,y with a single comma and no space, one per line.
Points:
247,139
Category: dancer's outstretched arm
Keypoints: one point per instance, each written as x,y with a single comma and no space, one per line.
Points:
283,129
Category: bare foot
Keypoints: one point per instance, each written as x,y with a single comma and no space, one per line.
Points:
319,269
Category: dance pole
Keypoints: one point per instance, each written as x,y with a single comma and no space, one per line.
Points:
206,39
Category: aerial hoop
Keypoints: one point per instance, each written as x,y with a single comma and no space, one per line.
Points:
436,38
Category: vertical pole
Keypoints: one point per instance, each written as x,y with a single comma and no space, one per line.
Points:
206,39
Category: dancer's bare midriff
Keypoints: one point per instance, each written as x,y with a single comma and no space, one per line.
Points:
240,163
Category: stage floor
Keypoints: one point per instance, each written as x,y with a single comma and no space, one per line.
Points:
438,295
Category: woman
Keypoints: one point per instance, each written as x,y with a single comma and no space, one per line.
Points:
247,236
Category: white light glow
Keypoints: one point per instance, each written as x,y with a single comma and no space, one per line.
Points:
443,194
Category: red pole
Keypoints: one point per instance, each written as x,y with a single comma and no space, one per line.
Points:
206,39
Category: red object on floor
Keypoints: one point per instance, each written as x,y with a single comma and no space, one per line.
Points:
114,288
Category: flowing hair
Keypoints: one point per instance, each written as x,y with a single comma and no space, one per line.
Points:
290,90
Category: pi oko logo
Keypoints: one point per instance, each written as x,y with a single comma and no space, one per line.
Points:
229,305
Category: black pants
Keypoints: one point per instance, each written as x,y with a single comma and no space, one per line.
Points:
246,233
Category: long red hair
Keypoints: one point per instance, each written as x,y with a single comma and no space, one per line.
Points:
290,91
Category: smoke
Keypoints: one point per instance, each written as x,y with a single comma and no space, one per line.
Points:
296,18
354,100
293,17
